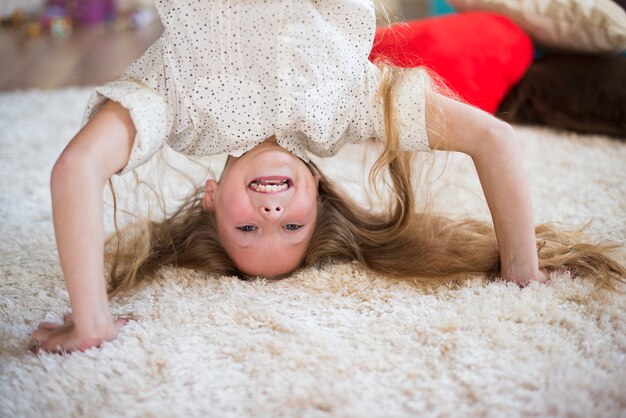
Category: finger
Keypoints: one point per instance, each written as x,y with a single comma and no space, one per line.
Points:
53,345
49,325
542,277
67,317
41,335
54,348
529,282
34,348
119,323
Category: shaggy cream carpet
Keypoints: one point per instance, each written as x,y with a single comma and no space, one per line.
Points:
330,342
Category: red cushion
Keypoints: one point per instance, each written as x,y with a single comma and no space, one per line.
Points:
479,55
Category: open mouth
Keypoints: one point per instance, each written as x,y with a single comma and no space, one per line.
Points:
271,184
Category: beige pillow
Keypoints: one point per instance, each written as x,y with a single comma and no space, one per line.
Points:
579,25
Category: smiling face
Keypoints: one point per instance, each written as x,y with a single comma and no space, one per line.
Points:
265,206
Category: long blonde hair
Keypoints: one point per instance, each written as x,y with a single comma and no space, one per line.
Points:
401,242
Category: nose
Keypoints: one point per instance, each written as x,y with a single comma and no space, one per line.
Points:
273,210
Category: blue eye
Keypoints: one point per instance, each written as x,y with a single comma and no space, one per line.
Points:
292,227
247,228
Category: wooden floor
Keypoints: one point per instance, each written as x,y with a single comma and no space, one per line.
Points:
90,56
95,55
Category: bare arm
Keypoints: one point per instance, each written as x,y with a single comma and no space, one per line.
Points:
493,147
77,184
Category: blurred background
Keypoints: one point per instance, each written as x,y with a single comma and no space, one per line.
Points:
49,44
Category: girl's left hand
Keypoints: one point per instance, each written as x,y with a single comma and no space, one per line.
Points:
523,280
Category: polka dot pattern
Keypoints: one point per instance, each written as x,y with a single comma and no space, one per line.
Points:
227,74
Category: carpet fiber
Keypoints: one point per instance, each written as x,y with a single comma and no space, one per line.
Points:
331,341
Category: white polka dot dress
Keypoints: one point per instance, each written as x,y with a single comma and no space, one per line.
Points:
227,74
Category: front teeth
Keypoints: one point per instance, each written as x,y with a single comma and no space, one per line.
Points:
269,188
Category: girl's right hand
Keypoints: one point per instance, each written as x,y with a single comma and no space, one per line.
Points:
65,337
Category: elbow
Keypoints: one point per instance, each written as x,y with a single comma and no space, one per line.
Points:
64,170
498,139
73,165
500,133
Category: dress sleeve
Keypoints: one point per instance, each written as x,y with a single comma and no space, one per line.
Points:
410,111
141,90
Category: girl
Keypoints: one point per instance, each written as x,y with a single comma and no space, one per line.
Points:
267,82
